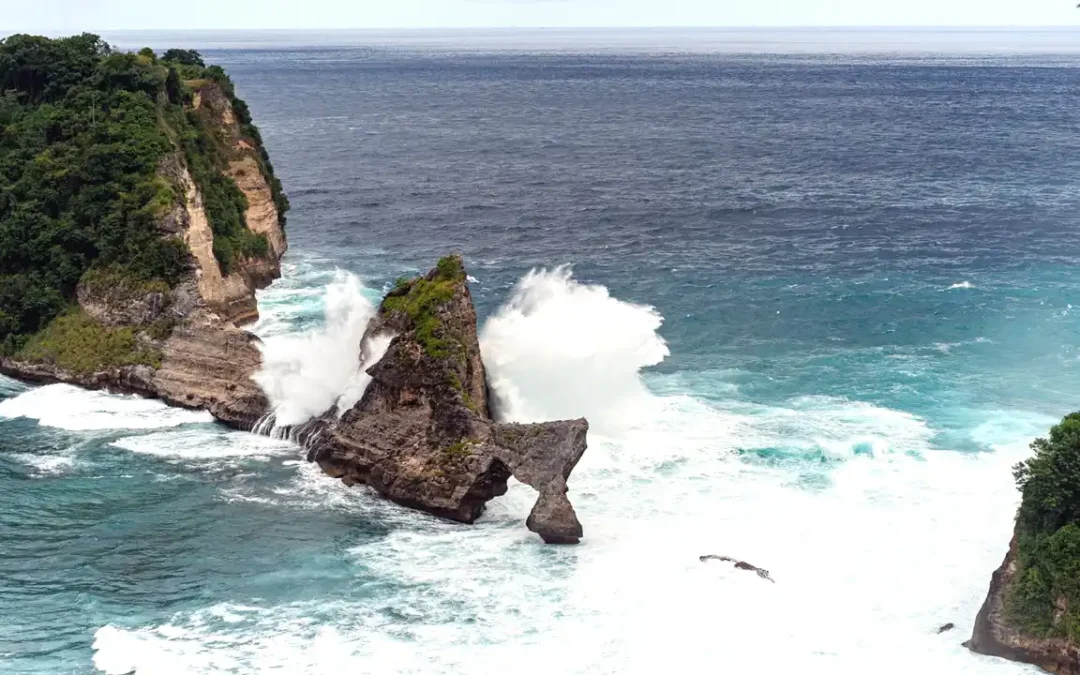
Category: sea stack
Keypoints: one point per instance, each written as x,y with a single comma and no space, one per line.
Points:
423,434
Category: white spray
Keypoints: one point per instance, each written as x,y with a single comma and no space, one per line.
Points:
306,375
561,349
868,563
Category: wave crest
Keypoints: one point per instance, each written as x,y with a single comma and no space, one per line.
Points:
304,375
561,349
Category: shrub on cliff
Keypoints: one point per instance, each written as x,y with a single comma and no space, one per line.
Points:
1045,599
1050,481
421,299
76,343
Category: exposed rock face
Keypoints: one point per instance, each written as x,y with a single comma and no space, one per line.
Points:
233,296
208,363
996,636
206,360
117,306
422,434
230,296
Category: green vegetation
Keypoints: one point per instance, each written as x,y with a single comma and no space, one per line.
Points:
251,132
87,135
458,451
421,300
119,284
1048,536
79,344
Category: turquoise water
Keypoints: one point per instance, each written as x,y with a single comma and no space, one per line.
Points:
818,306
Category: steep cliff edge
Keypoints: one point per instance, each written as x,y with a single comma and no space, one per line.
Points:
1032,610
138,215
171,242
422,434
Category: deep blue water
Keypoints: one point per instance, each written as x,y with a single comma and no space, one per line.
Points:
797,220
865,268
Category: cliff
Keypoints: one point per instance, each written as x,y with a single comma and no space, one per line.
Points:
422,435
133,234
1032,610
188,221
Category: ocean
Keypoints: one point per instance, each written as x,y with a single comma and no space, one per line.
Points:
815,302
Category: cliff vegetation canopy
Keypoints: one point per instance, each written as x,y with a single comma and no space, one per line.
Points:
1045,600
87,134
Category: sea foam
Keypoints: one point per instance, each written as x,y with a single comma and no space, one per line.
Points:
214,446
307,374
68,407
901,539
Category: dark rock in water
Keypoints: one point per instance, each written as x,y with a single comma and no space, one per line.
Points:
422,435
739,564
542,456
947,627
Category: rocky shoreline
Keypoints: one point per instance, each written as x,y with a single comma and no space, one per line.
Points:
423,434
996,635
206,359
1032,610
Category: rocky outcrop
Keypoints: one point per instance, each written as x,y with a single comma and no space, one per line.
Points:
206,360
208,363
996,635
422,434
740,565
542,456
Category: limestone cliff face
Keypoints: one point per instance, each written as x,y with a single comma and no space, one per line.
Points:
206,360
996,635
233,295
422,435
207,363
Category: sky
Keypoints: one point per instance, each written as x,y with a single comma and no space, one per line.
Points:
66,16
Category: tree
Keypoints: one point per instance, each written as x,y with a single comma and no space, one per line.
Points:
184,57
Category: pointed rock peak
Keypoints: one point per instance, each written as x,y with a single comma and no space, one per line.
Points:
422,434
427,305
435,350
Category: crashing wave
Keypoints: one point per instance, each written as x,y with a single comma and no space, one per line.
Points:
305,375
560,349
65,406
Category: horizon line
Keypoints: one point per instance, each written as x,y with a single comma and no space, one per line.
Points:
812,27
